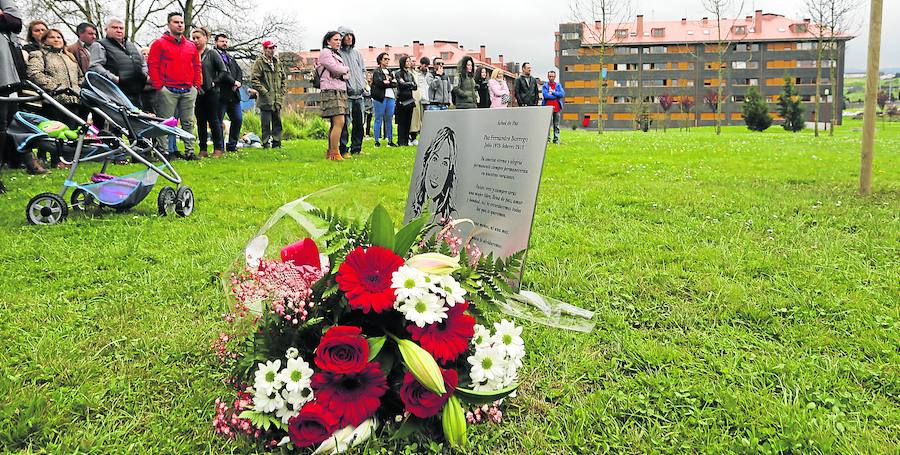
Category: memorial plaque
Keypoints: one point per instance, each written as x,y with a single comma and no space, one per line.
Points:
484,165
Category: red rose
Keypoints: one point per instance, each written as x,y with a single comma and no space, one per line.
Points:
422,402
342,350
313,425
304,252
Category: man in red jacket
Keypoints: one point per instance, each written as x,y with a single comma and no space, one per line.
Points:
175,72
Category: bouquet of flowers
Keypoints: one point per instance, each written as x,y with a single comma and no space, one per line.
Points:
366,331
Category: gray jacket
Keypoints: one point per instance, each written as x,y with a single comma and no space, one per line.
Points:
354,60
8,73
439,88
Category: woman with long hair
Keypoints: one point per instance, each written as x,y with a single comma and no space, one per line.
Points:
406,103
464,92
482,86
383,98
36,30
499,90
53,68
333,101
437,179
206,108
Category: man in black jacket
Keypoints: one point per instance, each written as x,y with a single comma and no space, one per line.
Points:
230,97
120,61
526,87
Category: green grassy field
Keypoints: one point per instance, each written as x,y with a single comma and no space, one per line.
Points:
858,85
746,299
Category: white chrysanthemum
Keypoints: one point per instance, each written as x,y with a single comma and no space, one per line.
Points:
264,402
296,375
292,353
408,283
449,288
509,338
267,380
482,337
487,364
285,413
299,397
424,310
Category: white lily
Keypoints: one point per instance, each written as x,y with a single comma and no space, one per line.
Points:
348,437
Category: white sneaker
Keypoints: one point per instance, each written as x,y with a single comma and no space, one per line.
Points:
415,142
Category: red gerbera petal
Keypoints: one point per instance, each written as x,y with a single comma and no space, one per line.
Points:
352,397
448,339
365,278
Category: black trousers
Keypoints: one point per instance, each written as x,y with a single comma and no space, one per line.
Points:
404,119
8,153
353,127
207,112
271,125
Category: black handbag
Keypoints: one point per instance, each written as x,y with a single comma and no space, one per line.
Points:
15,51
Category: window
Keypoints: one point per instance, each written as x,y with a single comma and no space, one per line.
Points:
738,98
745,81
622,33
745,47
621,99
625,83
446,55
655,50
744,65
800,28
565,52
658,32
806,46
570,36
655,83
739,30
626,67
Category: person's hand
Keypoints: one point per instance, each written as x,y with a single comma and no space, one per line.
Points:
237,84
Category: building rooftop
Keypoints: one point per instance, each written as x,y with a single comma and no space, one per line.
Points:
759,27
451,51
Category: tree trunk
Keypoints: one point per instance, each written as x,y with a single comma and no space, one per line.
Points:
818,78
600,89
874,57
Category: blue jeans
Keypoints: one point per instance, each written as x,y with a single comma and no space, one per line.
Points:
436,107
384,113
233,109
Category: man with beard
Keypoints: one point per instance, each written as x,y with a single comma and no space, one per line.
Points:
175,72
230,93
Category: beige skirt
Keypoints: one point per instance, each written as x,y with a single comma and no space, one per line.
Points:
333,102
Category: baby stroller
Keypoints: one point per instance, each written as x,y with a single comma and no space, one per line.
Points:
85,145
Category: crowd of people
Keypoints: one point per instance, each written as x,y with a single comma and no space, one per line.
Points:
179,75
351,96
193,77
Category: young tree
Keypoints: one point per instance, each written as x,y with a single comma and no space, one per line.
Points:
686,104
666,101
873,60
790,108
720,9
829,18
756,112
598,19
712,98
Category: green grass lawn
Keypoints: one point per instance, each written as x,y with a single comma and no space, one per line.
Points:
747,299
858,84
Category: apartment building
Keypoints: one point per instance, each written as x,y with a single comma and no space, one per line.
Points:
647,59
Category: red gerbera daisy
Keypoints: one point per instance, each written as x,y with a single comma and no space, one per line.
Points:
365,278
448,339
353,397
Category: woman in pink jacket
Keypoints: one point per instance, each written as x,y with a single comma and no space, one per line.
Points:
333,75
499,90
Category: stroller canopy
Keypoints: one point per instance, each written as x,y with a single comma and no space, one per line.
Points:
104,91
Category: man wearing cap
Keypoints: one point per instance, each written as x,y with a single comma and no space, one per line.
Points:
268,77
356,84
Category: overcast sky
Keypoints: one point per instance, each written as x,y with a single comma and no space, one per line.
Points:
522,30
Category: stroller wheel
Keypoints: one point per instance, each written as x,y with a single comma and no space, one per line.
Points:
165,203
82,200
46,208
184,201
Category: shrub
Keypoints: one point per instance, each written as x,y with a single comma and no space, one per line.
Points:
756,112
790,108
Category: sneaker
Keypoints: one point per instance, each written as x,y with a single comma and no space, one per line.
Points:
377,144
276,145
415,143
190,157
391,144
346,155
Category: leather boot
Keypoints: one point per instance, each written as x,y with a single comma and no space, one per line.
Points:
217,154
203,154
32,166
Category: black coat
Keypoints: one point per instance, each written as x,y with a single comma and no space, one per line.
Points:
526,91
215,74
233,74
406,84
484,93
378,85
